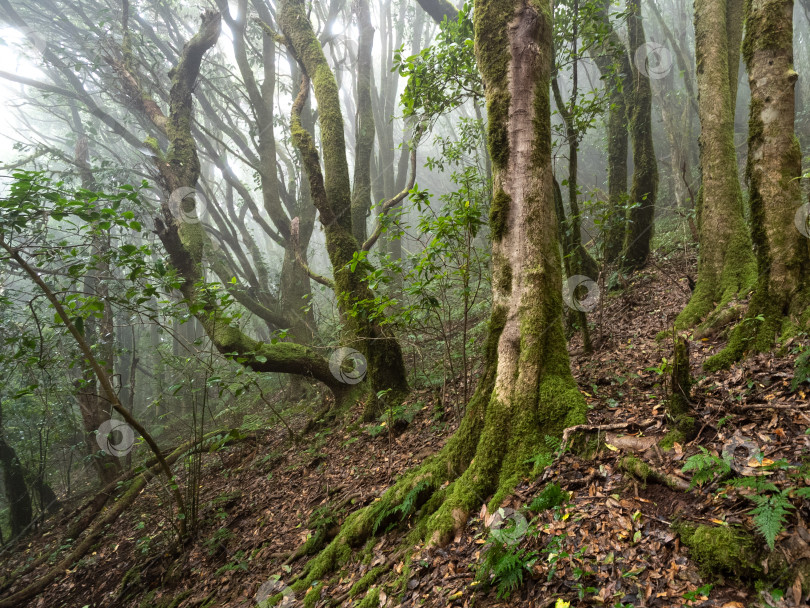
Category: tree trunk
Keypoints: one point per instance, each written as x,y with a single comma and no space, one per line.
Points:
726,264
364,144
643,191
532,393
526,392
17,496
331,194
614,67
779,304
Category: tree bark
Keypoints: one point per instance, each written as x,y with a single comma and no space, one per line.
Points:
779,303
17,495
726,263
644,188
614,67
331,194
364,144
531,394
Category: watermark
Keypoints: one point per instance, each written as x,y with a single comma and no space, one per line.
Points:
590,300
653,60
273,587
186,206
508,526
104,438
802,220
343,356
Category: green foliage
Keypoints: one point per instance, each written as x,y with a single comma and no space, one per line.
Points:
504,566
551,496
405,508
801,368
444,75
706,467
695,595
771,504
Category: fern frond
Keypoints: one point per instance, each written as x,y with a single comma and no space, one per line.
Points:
770,515
802,492
705,466
759,484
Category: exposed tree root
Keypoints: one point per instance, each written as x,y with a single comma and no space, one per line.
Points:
765,321
646,472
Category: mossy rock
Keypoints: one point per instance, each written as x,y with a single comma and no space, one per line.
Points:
722,550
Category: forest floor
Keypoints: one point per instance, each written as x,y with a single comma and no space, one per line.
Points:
261,498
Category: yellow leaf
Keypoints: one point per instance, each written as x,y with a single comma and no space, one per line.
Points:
562,604
756,463
611,447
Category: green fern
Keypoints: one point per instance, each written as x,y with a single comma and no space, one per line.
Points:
509,571
551,496
705,466
506,566
770,514
759,484
406,507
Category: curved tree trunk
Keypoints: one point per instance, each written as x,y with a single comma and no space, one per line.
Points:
331,194
644,189
779,303
726,264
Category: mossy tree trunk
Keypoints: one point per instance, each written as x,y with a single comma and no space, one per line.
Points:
331,194
644,188
726,266
679,403
526,392
364,128
614,68
782,292
186,242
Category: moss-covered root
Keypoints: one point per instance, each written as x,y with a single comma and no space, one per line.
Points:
372,599
721,550
765,321
679,405
645,472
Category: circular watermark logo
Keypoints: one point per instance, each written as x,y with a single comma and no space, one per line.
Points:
590,300
802,220
508,526
273,587
653,60
186,206
104,438
338,362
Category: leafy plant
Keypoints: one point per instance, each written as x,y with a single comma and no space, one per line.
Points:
772,505
551,496
801,369
505,565
706,467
